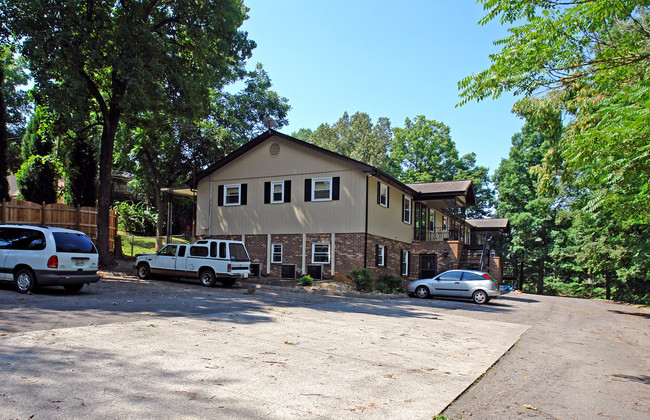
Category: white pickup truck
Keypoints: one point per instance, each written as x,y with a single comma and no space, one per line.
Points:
208,260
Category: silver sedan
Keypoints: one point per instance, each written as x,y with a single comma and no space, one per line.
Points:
468,284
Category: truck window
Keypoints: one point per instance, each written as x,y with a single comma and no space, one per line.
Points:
181,251
198,251
213,249
169,251
222,250
238,252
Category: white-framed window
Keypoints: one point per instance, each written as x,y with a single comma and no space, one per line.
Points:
444,222
382,197
232,195
322,189
406,211
405,263
276,253
320,253
277,192
381,255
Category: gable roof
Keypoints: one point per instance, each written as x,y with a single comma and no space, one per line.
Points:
445,190
490,225
423,191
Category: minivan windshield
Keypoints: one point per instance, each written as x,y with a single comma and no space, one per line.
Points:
73,242
238,252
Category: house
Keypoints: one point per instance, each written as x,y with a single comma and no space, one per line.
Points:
301,209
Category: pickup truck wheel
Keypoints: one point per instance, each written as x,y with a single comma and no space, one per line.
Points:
228,282
144,271
207,278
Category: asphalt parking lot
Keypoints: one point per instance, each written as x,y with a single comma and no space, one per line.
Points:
170,349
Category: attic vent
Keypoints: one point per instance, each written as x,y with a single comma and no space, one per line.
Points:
274,150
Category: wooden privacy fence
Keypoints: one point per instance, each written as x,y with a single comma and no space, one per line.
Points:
58,215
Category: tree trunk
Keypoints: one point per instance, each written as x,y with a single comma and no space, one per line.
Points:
4,140
160,205
104,200
608,284
540,278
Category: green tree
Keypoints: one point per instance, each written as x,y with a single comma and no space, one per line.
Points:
163,150
533,216
80,172
589,59
37,179
13,106
355,137
423,151
119,58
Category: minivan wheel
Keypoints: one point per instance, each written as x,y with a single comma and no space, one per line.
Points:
207,278
480,297
25,280
422,292
73,288
143,271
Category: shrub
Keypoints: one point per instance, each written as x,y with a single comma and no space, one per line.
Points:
362,279
390,284
136,218
306,280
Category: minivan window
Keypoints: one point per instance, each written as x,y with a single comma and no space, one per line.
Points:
73,242
238,252
25,239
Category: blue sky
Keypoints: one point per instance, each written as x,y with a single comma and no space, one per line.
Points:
393,59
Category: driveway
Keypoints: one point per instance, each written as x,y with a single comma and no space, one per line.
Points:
127,348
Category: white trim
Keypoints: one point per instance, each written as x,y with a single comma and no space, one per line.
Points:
404,270
313,188
268,253
225,194
383,256
281,184
408,200
304,254
313,253
385,196
333,253
273,245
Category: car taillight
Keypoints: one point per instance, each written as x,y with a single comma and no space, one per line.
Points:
53,262
229,267
487,276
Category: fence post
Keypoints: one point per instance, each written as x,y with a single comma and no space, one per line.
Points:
77,211
43,214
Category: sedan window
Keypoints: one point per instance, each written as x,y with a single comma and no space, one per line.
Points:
450,275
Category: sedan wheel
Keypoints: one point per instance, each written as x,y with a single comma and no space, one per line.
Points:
25,281
480,297
207,278
422,292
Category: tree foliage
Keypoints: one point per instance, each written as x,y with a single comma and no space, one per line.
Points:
110,59
589,60
355,137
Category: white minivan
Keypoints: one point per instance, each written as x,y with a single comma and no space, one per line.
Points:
32,256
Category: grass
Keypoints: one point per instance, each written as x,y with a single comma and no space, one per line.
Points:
144,244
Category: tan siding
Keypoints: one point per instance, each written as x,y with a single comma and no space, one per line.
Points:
294,163
387,222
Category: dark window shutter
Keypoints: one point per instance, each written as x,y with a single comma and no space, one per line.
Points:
336,186
386,256
220,195
267,192
408,264
401,263
244,194
287,191
378,192
377,259
308,189
403,199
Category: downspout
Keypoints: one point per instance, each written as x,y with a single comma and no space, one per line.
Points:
365,242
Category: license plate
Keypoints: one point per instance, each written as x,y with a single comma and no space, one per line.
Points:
245,275
78,263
